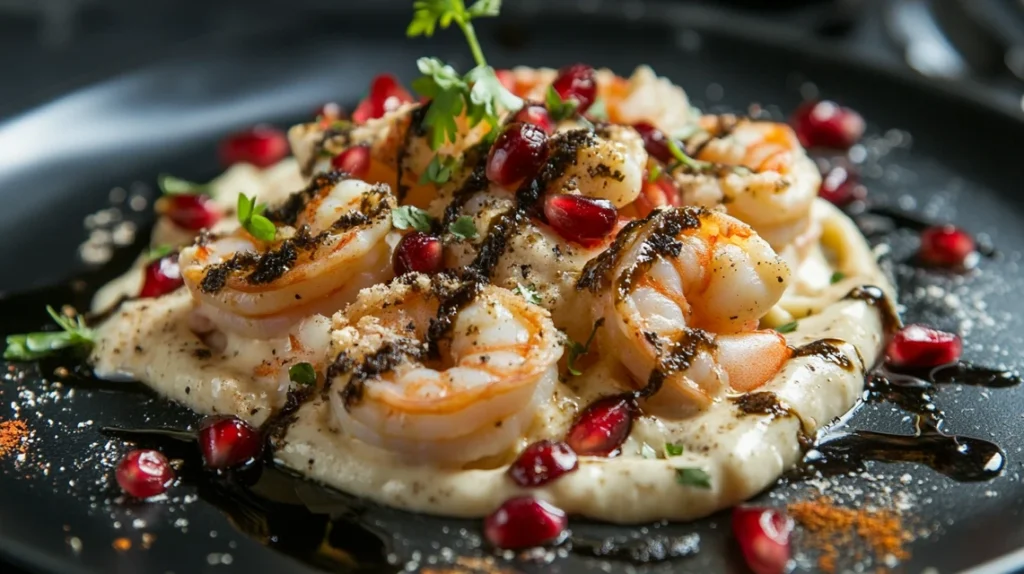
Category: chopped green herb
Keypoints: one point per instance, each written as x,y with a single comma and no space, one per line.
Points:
528,293
654,173
647,451
408,216
598,110
673,449
302,374
683,159
463,228
693,477
250,215
557,108
32,346
439,170
577,350
787,327
837,277
159,252
170,185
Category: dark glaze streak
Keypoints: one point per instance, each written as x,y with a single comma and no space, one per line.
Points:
476,162
827,349
288,212
760,403
451,303
676,358
384,359
337,134
276,426
416,129
726,124
875,297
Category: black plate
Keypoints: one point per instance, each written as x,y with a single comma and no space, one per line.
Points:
58,163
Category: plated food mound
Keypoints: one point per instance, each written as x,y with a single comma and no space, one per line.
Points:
566,285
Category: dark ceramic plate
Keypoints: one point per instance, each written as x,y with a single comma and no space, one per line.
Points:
930,151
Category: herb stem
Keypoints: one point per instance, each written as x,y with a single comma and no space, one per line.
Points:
474,44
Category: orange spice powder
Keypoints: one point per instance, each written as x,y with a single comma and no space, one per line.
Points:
833,529
13,437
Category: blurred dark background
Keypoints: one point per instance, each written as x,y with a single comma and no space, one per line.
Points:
49,47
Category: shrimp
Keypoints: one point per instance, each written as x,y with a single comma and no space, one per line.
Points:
441,371
680,294
331,242
774,190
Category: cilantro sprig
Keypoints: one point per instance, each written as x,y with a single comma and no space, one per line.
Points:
32,346
787,327
463,228
691,476
439,171
408,216
250,215
302,374
558,108
577,350
527,292
685,160
170,185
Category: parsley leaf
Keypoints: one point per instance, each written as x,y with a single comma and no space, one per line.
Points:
439,171
170,185
32,346
683,159
408,216
577,350
693,477
557,108
673,449
528,293
837,277
654,173
429,14
787,327
250,215
302,374
159,252
463,228
598,110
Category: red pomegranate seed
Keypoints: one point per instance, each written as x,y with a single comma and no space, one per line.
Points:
507,79
518,153
161,277
144,472
524,522
840,186
654,141
228,442
262,146
192,211
945,245
827,124
920,346
418,251
542,462
603,426
763,536
354,161
578,218
577,82
537,115
386,94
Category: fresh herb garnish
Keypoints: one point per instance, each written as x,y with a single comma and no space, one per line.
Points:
558,108
673,449
693,477
302,374
837,277
528,293
647,451
170,185
159,252
463,228
250,215
577,350
683,159
787,327
32,346
408,216
439,171
478,93
598,110
654,173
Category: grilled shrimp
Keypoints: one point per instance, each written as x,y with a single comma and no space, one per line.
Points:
331,242
441,371
680,294
775,190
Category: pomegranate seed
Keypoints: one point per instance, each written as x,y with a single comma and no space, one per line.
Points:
228,441
192,211
354,161
577,82
945,245
827,124
161,277
840,186
603,426
920,346
578,218
763,536
507,79
537,115
524,522
262,146
542,462
418,251
386,95
518,152
654,141
144,472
